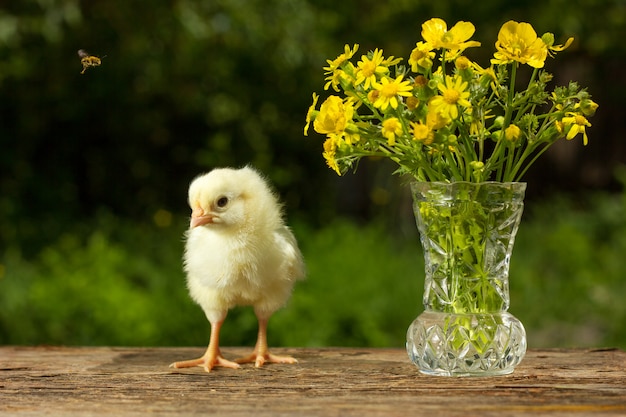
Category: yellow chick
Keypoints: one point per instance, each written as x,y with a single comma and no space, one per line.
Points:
239,252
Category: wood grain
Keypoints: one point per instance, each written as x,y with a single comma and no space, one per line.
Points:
96,381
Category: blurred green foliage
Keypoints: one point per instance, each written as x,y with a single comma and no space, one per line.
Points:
568,271
122,284
94,169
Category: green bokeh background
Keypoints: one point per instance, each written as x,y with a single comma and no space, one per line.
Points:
94,170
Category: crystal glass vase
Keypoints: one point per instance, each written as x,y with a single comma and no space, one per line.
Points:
467,231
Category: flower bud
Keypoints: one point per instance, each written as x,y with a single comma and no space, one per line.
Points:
498,121
420,81
545,77
477,169
512,133
462,63
588,107
412,102
372,96
548,39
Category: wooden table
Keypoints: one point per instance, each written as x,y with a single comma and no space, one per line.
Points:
37,381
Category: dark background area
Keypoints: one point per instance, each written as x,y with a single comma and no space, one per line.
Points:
186,86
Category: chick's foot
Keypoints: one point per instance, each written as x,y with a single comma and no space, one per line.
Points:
259,359
207,362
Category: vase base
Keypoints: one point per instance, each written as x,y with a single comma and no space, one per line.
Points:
465,374
445,344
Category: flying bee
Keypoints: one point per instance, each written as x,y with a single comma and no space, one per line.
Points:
88,60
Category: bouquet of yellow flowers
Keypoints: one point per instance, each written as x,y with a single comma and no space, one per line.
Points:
441,116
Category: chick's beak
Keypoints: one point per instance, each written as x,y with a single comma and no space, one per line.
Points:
199,218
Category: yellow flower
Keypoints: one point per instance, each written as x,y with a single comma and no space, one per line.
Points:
477,125
336,63
422,133
333,79
367,68
512,133
333,116
391,61
330,150
434,120
334,72
330,144
421,57
340,76
390,129
351,138
389,90
435,32
576,123
310,113
425,133
453,94
487,77
519,42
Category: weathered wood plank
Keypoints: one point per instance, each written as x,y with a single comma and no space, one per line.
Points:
68,381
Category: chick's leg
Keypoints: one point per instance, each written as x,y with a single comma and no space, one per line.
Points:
261,354
212,357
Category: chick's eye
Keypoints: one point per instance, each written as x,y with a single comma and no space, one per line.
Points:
222,202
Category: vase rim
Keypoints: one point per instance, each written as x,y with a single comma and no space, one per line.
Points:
474,188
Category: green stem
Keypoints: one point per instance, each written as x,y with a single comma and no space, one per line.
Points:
519,165
528,165
522,111
501,147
